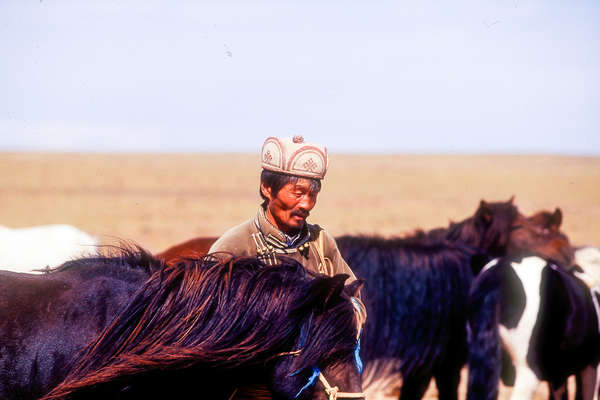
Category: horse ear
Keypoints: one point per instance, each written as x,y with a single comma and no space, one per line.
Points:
484,212
555,219
512,199
323,292
334,291
353,289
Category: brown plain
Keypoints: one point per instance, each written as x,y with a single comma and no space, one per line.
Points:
161,200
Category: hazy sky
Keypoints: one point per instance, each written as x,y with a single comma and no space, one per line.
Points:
371,76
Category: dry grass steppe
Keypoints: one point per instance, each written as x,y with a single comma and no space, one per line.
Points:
158,200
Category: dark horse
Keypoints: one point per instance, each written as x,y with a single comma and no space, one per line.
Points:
416,294
46,319
211,328
547,323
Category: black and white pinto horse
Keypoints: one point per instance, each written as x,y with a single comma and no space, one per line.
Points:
416,294
546,322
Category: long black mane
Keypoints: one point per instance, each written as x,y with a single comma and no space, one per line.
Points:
219,318
410,277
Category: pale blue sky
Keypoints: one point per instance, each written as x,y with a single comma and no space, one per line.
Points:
359,76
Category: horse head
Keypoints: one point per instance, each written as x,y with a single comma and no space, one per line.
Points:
499,229
488,229
325,363
540,234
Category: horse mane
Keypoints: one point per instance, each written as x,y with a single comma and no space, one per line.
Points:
214,314
126,255
488,230
402,268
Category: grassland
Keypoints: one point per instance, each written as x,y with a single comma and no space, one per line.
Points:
161,200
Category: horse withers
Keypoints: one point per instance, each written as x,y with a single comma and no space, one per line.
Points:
546,322
221,330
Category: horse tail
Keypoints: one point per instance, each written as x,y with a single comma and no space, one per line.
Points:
485,352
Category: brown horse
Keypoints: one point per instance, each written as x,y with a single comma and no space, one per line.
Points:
190,249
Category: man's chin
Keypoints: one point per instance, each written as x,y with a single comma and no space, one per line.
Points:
296,225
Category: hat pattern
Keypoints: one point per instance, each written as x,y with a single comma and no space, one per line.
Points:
294,157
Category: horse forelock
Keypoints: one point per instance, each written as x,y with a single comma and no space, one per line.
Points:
205,312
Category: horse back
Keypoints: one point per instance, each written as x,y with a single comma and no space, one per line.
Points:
414,286
45,320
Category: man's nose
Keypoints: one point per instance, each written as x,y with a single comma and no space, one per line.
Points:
306,203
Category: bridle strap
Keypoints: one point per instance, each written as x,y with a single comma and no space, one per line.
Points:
334,393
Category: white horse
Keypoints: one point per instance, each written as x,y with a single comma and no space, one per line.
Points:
37,248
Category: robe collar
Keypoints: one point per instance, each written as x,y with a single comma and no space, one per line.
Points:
277,238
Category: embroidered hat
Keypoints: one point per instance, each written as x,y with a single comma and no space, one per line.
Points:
293,156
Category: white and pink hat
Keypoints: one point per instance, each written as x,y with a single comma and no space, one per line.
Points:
293,156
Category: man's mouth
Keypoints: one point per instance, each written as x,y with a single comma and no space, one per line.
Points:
300,214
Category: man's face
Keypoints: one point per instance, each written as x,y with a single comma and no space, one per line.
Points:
291,206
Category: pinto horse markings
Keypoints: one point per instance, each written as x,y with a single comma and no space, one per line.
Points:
546,322
190,326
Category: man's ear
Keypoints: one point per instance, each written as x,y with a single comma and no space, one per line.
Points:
266,191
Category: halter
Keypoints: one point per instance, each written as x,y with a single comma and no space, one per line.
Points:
333,391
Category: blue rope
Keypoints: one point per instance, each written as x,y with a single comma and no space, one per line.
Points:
357,359
311,380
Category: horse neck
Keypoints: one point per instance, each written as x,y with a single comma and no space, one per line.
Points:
484,239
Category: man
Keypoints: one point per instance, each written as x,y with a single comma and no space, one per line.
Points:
289,185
